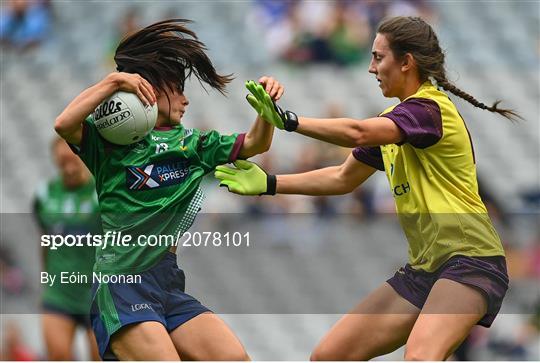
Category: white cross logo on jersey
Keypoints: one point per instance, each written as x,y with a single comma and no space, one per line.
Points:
143,177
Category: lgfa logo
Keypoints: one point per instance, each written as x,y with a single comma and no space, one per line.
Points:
137,307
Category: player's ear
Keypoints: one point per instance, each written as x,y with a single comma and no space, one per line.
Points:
408,62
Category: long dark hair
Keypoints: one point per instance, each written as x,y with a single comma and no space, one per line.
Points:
166,54
413,35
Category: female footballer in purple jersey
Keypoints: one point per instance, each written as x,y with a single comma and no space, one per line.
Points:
456,274
156,319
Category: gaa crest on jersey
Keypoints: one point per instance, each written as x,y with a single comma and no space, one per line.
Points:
156,175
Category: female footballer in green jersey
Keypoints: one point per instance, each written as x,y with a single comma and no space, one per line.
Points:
152,188
456,274
66,205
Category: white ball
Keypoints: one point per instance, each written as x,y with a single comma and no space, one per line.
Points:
122,118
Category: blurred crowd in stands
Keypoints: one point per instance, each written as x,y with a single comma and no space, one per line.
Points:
336,32
24,24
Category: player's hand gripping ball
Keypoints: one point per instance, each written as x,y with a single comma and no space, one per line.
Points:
123,119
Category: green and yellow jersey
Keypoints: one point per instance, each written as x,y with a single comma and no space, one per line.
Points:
63,211
150,188
432,176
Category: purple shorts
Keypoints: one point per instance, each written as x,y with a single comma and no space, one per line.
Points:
486,274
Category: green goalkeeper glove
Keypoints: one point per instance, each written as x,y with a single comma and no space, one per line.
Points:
246,179
260,100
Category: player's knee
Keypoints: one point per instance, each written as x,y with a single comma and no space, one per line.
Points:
422,346
319,355
422,352
230,352
240,356
62,354
322,353
234,355
325,352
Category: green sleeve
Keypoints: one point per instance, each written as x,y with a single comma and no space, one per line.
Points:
91,149
37,204
216,149
36,211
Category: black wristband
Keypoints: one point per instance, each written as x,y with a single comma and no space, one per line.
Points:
271,184
291,121
289,118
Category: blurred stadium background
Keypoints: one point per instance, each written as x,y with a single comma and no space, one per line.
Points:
332,251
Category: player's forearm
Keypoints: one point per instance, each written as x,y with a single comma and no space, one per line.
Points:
339,131
70,120
326,181
258,139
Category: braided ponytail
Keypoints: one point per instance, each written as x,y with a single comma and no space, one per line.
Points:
413,35
509,114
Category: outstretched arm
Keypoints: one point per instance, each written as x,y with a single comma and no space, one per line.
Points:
249,179
69,123
345,132
259,137
349,132
333,180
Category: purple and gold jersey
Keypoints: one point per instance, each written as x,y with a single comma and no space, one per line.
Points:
432,176
150,188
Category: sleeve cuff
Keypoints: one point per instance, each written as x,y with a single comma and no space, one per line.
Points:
237,147
80,149
365,157
403,132
419,121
